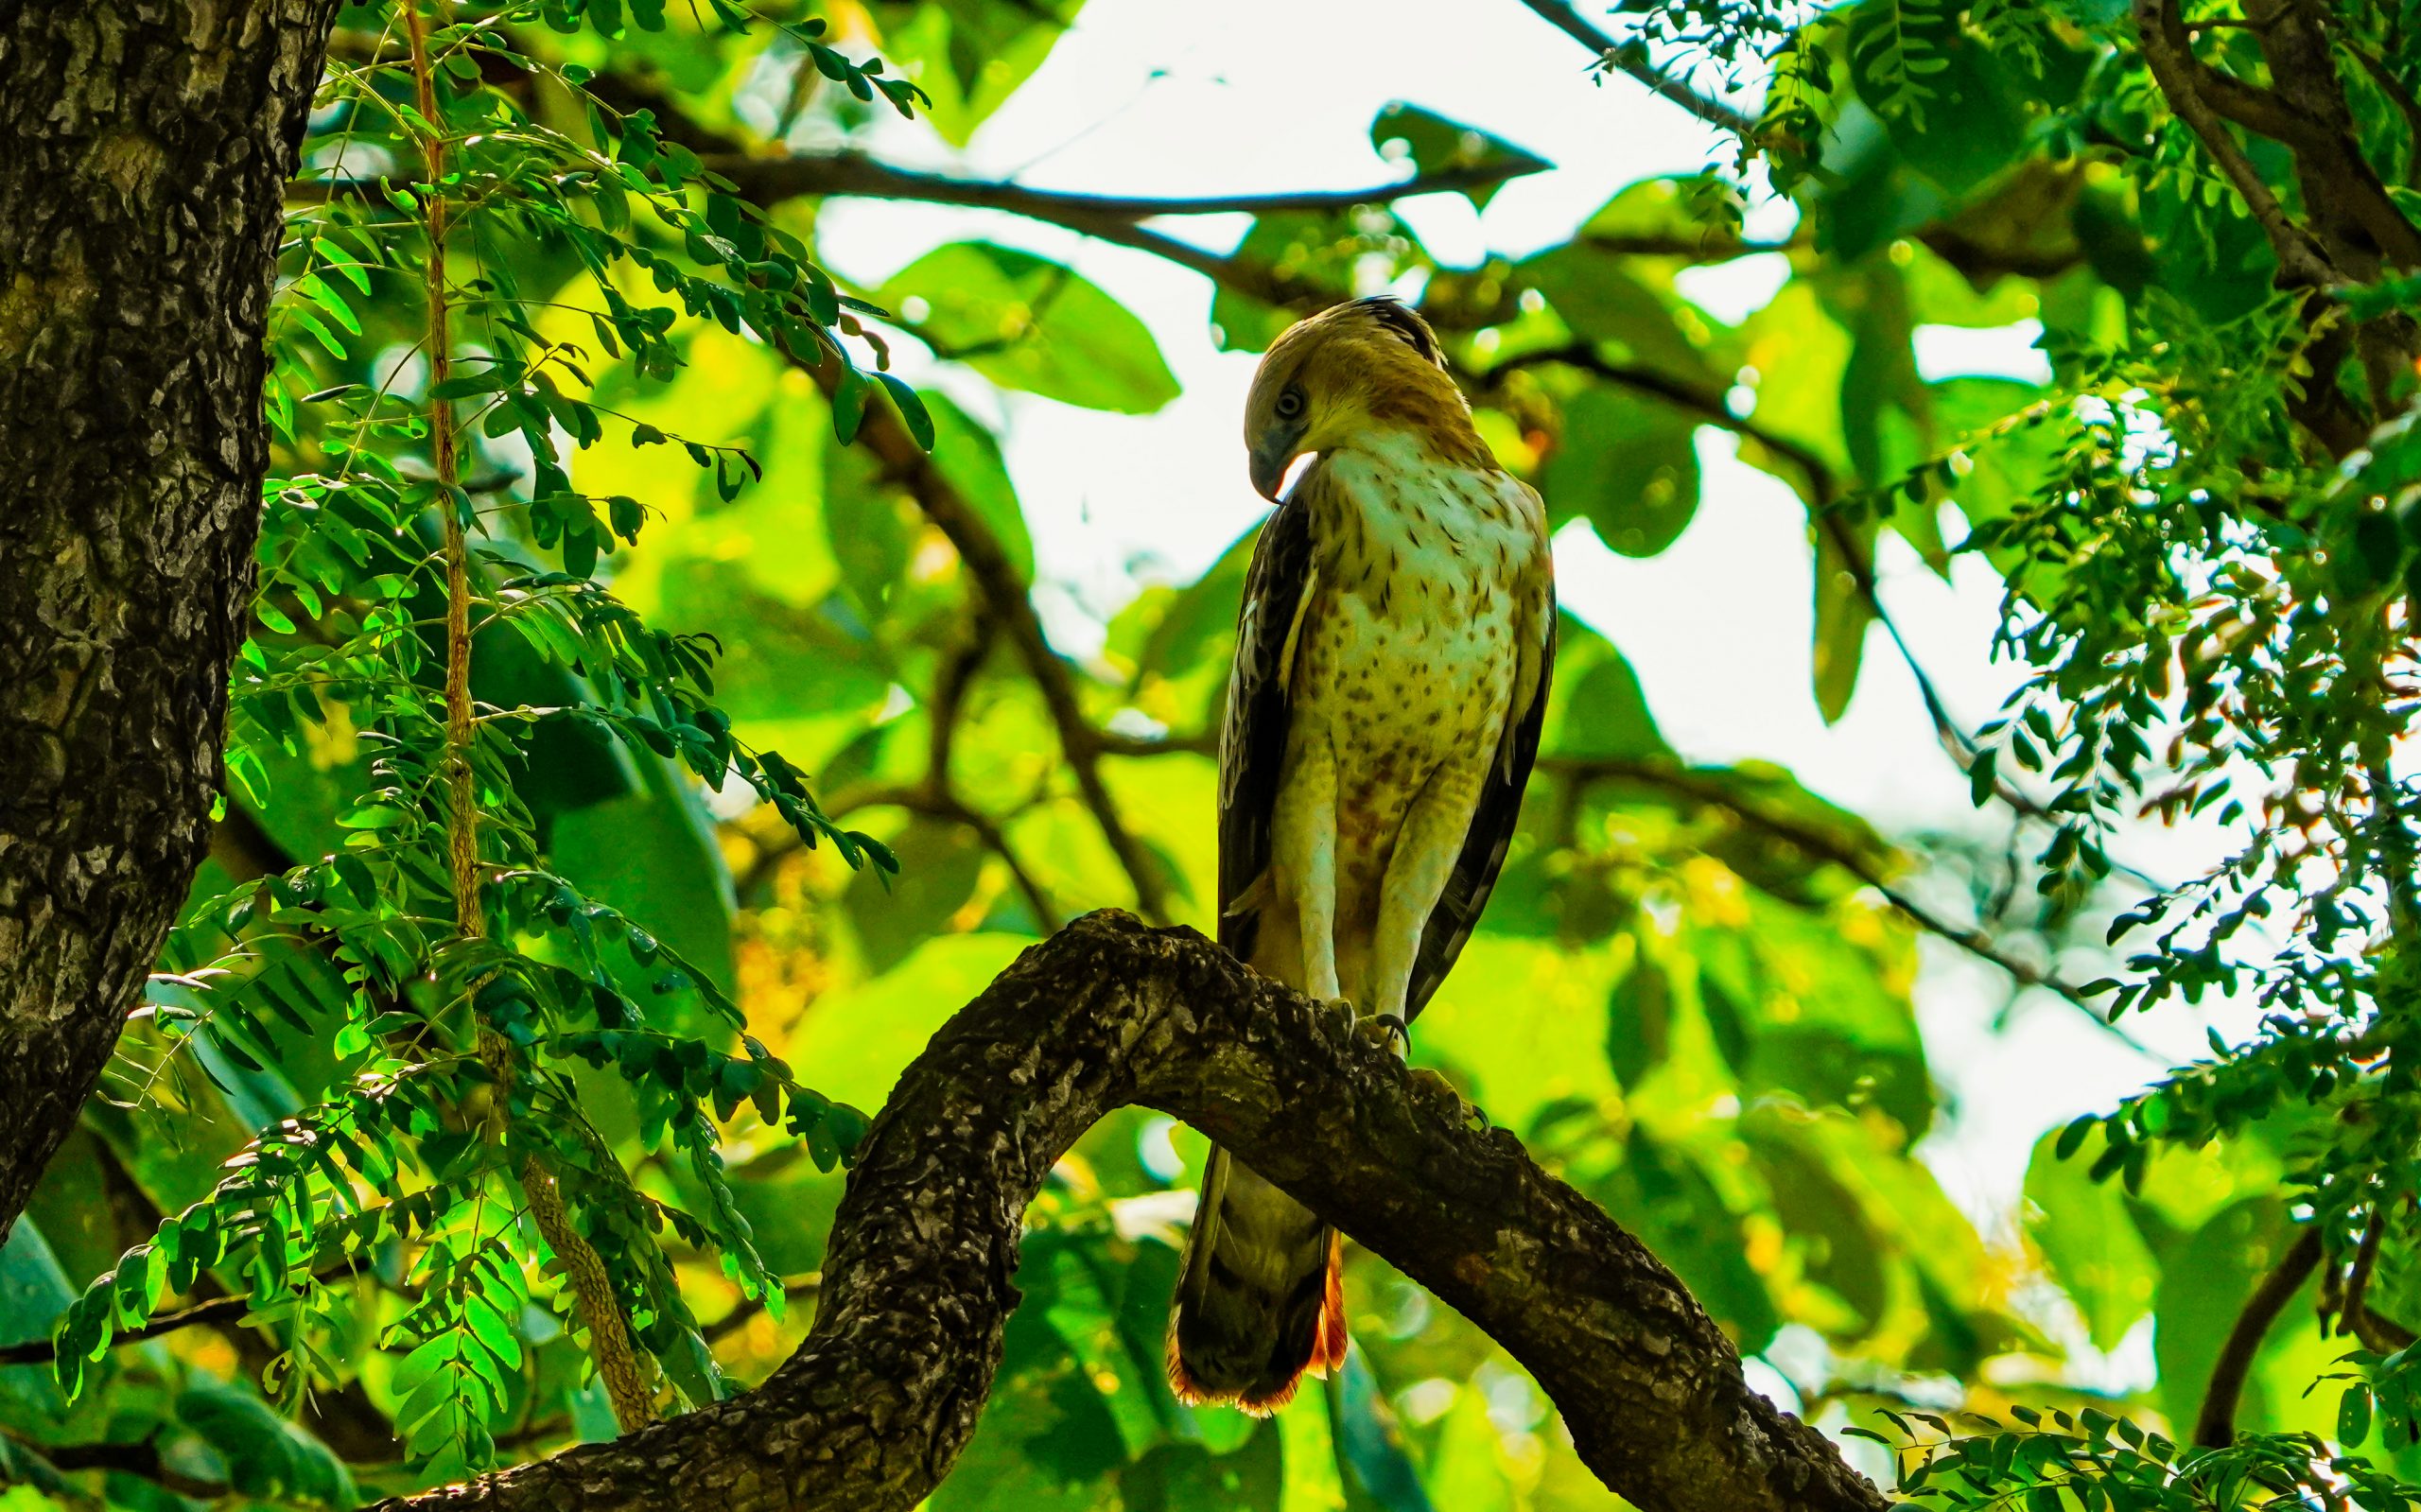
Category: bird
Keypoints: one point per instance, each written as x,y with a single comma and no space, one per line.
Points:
1393,654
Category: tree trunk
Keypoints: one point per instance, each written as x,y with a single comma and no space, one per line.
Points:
870,1413
144,149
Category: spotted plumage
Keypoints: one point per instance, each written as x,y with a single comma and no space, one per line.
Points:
1392,661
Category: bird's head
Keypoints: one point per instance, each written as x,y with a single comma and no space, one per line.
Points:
1366,365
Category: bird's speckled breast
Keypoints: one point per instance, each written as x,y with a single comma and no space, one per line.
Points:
1407,654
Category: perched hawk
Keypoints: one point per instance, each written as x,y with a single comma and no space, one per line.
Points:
1391,675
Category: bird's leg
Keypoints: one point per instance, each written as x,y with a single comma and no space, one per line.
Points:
1427,846
1303,828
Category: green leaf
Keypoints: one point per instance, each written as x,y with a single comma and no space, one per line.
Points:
939,866
1596,707
2089,1240
653,853
1844,614
266,1456
911,408
969,457
1027,323
1604,302
1639,1026
1432,143
1370,1442
1627,465
2354,1416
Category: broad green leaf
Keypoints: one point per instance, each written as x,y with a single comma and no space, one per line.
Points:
970,456
1639,1016
265,1455
1596,707
1797,354
2089,1240
940,864
1467,1469
1626,465
2203,1289
1310,257
653,855
1699,213
1606,303
1660,1193
970,56
1027,323
1378,1468
854,1044
33,1292
1817,1016
1432,143
1843,614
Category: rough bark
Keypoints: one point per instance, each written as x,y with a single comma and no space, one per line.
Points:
143,147
883,1394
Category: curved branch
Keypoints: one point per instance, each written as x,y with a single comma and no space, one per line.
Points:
2380,1335
875,1407
2215,1427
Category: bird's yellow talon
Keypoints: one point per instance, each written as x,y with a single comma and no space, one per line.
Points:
1433,1085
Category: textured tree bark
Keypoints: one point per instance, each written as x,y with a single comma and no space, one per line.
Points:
871,1412
143,147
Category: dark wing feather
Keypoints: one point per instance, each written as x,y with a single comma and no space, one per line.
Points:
1484,845
1252,743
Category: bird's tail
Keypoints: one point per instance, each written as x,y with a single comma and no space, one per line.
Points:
1261,1300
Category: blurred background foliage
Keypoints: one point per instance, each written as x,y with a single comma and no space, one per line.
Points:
1691,997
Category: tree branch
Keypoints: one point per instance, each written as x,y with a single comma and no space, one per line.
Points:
216,1311
875,1407
139,1459
2379,1334
2214,1427
1561,15
767,180
2181,76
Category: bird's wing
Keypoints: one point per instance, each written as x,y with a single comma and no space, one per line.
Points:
1252,744
1500,802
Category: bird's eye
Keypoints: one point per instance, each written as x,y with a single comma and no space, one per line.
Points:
1290,404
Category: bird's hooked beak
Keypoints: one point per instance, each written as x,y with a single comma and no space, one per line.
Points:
1271,456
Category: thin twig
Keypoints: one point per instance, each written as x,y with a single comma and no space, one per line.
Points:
218,1310
806,1289
1631,61
1817,845
920,798
608,1331
1007,602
